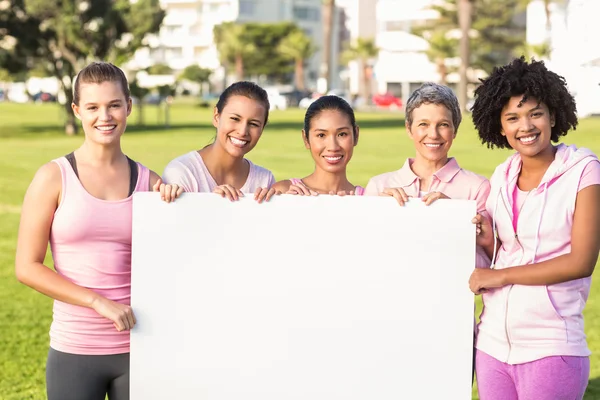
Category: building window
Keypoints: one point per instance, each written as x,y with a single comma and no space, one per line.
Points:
247,7
306,13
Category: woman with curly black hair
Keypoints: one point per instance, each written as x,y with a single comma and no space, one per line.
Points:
544,239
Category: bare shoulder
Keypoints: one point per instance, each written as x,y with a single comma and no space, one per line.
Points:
44,189
48,177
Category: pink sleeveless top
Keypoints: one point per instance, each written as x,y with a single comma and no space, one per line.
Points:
90,241
358,192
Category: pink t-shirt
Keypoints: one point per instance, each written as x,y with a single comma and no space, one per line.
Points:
190,172
590,176
358,192
90,241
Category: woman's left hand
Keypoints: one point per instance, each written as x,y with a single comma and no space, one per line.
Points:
264,194
433,196
484,279
168,192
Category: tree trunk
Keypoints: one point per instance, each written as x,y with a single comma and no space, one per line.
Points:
300,74
140,107
71,125
328,19
465,10
442,70
239,67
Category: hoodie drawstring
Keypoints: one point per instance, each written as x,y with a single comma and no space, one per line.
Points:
495,233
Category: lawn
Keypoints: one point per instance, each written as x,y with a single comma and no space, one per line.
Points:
30,135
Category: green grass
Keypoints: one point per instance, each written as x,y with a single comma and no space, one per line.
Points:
31,135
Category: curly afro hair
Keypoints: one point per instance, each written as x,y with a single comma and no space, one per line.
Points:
531,80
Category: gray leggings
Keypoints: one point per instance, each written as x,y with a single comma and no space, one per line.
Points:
87,377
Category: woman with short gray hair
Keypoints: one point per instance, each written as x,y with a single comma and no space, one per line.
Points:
432,120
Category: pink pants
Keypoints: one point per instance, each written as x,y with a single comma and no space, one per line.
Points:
550,378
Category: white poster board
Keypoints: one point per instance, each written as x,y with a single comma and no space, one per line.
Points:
301,298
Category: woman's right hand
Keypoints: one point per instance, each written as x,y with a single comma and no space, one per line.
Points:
228,191
398,193
120,314
301,190
485,232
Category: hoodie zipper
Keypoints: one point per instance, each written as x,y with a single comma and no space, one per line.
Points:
506,329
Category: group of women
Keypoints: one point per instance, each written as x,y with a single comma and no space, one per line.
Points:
537,224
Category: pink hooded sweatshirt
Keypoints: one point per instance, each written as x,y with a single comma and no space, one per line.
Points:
521,323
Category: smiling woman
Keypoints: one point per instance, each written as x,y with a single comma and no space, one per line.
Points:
82,203
544,239
330,133
240,117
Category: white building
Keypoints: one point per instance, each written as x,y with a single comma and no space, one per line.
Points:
402,64
186,35
575,53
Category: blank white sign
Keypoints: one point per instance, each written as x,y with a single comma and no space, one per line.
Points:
301,298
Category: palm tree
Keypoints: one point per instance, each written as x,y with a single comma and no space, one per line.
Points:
298,47
465,17
441,47
328,20
232,44
363,50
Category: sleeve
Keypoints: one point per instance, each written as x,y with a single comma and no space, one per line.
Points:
482,195
481,258
177,173
371,189
271,180
590,175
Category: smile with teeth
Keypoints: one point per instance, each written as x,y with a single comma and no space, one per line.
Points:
238,142
330,158
528,139
106,127
433,145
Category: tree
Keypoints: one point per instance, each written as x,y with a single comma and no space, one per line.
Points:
493,37
298,47
442,46
233,46
196,74
253,44
139,93
159,69
62,36
363,50
166,92
328,21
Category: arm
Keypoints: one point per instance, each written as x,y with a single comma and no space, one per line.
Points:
585,245
39,205
579,263
37,214
282,186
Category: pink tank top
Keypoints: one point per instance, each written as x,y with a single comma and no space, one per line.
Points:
358,192
90,241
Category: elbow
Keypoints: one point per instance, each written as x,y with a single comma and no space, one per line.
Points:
22,273
588,270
